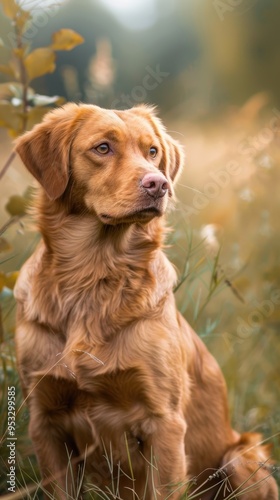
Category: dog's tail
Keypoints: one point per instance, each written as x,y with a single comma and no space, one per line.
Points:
249,470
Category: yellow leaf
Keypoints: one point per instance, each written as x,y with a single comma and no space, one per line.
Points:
36,115
16,205
22,20
13,89
39,62
5,90
4,245
19,52
7,69
2,281
10,8
9,116
14,133
66,39
10,279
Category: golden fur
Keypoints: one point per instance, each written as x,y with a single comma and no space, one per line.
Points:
107,363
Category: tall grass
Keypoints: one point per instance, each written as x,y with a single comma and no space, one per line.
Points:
202,279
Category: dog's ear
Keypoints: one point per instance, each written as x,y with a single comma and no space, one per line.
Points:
45,149
173,154
174,158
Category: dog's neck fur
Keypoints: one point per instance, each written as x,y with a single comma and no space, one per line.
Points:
106,266
81,240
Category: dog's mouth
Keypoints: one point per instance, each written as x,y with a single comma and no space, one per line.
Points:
141,215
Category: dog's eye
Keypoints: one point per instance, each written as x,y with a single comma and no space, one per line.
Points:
103,148
153,151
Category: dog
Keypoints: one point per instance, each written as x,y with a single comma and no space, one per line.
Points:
119,387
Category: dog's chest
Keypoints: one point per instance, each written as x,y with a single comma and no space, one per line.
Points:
120,387
118,407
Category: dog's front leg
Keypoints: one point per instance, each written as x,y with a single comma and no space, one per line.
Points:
165,451
51,433
58,461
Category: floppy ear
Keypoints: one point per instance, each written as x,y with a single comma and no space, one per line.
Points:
45,149
175,158
173,155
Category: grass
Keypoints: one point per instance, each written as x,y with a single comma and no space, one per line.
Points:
202,281
228,264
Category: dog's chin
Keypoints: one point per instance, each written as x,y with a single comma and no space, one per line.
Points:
142,216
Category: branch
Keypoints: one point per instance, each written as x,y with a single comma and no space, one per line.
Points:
7,164
24,82
1,327
11,221
23,78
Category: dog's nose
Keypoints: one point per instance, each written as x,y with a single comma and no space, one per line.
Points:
156,185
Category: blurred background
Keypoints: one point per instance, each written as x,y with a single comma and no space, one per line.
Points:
212,68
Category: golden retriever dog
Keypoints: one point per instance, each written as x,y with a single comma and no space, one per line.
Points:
119,387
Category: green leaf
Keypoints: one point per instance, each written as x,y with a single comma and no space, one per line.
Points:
16,205
66,39
39,62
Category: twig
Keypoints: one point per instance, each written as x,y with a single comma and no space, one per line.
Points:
7,164
11,221
1,327
23,78
24,82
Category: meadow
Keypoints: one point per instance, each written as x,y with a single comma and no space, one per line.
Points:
224,242
225,247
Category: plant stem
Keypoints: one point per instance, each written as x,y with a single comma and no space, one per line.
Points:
7,164
24,82
11,221
23,79
1,327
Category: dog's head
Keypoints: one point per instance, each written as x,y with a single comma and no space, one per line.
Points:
120,165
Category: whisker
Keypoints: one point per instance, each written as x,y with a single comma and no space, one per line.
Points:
189,187
176,132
